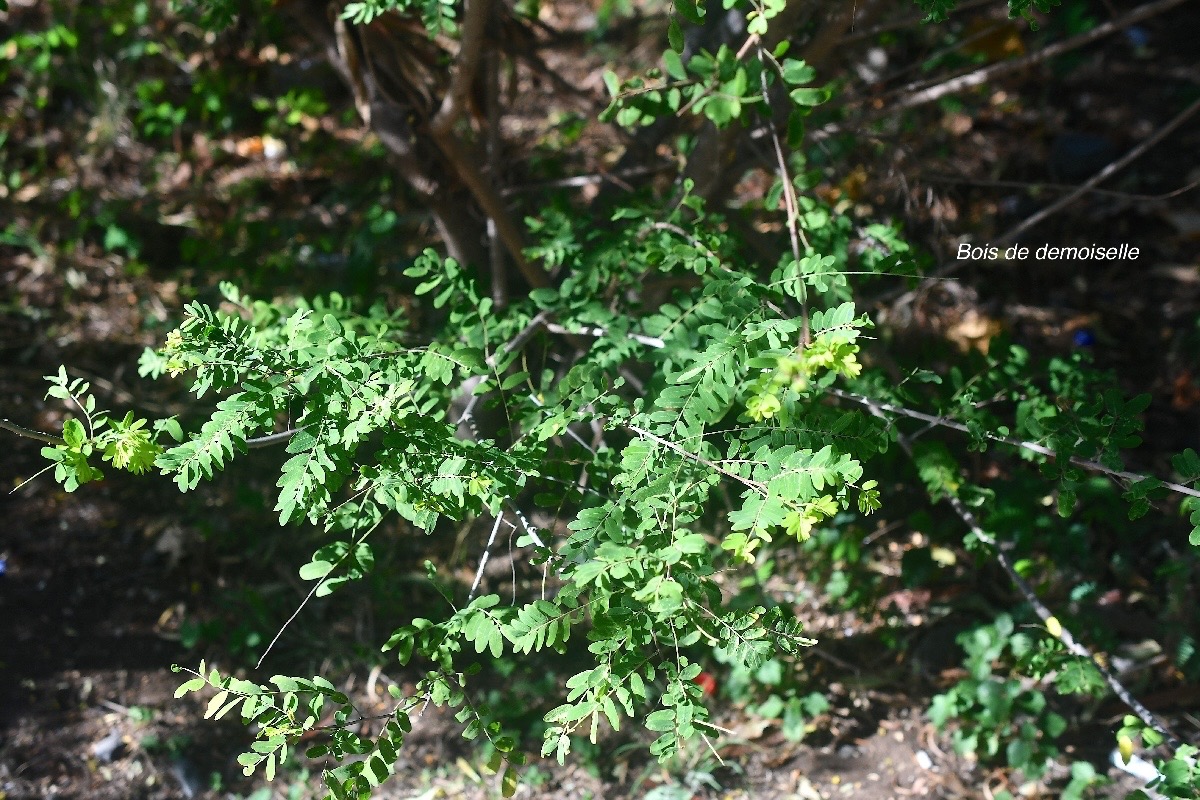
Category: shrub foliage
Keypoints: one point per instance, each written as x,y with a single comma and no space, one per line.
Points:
679,437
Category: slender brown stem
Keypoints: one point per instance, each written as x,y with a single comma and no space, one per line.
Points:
757,486
28,433
317,585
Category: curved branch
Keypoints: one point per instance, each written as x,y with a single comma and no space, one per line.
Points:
28,433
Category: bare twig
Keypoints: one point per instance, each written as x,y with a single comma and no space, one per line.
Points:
271,439
1103,174
789,194
487,551
789,191
649,341
21,430
317,585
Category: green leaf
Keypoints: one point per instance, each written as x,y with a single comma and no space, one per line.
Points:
513,380
675,36
795,128
796,72
314,570
215,703
376,770
689,10
809,96
1187,464
74,434
613,83
508,784
674,65
1066,502
289,684
661,720
721,109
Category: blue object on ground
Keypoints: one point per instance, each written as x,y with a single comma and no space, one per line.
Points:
1137,36
1075,156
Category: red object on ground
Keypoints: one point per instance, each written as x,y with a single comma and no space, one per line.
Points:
706,682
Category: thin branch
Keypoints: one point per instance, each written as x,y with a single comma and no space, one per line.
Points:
487,552
649,341
251,444
683,234
529,528
1104,174
319,583
713,750
271,439
916,96
1094,466
789,191
1061,187
758,486
789,194
515,343
33,477
28,433
1053,624
518,341
1044,613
